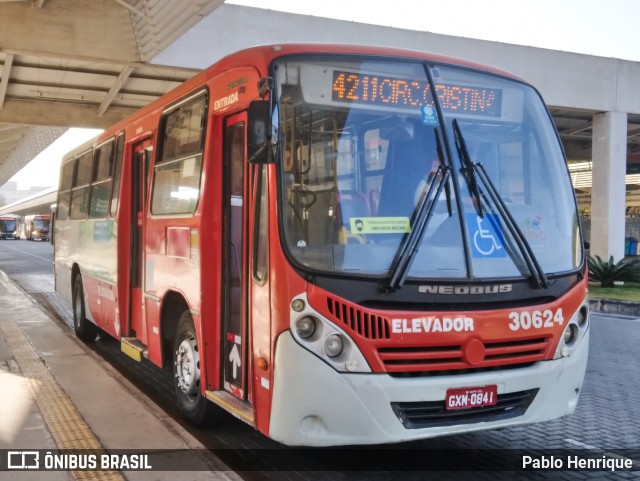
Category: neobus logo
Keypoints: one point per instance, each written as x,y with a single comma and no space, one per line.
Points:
494,289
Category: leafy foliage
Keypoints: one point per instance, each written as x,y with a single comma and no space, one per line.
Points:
608,272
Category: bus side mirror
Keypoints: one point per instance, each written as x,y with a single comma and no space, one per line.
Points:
260,139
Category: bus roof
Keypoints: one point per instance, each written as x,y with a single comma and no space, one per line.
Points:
260,57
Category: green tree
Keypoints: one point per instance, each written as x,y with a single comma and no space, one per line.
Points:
609,272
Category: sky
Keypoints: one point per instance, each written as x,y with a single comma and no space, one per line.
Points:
606,28
593,27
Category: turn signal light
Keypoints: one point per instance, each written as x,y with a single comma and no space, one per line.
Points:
262,364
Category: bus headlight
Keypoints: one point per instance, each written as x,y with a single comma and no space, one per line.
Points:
583,315
306,327
333,345
298,305
573,332
570,334
323,338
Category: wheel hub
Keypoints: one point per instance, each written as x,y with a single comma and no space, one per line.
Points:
187,367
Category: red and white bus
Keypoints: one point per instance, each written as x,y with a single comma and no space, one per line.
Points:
337,244
36,226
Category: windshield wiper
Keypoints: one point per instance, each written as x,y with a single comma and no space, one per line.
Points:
468,169
475,170
411,242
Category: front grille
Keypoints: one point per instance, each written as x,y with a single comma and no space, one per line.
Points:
426,414
451,358
367,325
457,372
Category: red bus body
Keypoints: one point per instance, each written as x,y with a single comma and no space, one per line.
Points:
136,266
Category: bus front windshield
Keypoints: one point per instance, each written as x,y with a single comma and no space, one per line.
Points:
361,142
7,225
41,224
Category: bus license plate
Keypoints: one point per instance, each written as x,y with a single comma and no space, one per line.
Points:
471,397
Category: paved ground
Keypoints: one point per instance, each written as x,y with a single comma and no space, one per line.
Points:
607,418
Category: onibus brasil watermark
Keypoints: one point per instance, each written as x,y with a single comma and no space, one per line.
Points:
37,460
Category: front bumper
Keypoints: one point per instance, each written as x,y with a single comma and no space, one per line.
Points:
314,405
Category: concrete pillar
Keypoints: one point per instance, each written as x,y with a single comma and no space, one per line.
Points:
609,155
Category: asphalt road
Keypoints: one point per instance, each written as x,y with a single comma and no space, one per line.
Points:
607,418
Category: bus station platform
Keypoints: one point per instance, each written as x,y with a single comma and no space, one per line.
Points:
56,394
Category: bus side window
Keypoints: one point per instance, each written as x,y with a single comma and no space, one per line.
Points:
261,228
176,183
80,191
64,190
101,186
117,171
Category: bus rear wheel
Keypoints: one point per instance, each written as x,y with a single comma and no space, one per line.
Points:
194,407
85,329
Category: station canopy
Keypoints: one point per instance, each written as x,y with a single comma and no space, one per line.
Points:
82,63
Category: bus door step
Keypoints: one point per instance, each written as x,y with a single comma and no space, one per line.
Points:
243,410
133,348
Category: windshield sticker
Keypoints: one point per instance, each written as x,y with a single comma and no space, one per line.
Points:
486,235
533,230
380,225
429,115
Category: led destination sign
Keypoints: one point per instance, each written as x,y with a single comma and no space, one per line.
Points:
359,88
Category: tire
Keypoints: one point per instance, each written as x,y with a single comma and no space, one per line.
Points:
194,407
84,328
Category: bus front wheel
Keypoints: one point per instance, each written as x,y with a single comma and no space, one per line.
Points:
85,329
194,407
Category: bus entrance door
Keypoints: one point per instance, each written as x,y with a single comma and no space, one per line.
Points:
139,187
234,330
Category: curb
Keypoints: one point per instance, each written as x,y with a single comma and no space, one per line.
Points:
610,306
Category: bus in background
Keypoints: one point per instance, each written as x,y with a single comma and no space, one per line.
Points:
336,244
9,226
36,227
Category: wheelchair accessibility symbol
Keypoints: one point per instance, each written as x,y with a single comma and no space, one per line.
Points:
486,235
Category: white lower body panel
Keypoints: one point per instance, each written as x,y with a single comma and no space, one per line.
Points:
314,405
